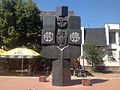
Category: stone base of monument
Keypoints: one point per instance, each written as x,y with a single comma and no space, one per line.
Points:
42,78
61,75
86,82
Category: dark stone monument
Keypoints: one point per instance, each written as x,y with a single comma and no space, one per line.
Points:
61,41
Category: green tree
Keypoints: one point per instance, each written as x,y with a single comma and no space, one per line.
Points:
7,28
19,23
94,55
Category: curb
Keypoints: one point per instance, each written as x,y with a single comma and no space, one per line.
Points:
95,78
71,77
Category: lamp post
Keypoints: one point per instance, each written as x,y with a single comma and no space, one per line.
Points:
83,63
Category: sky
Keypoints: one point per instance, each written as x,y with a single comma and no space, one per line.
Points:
93,13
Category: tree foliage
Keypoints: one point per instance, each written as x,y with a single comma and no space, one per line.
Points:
19,23
94,55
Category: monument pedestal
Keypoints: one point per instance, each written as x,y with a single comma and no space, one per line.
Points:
61,72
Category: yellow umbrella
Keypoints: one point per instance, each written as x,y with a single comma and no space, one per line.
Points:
20,53
2,51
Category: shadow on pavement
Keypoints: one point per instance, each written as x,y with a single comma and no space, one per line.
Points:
76,82
95,81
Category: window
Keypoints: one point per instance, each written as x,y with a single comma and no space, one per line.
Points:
112,54
112,38
119,37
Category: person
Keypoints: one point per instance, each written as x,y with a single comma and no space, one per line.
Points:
77,64
47,70
78,71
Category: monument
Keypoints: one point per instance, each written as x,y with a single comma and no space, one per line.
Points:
61,41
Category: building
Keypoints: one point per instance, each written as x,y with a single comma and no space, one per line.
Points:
50,13
113,45
107,37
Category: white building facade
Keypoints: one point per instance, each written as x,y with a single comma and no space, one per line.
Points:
112,47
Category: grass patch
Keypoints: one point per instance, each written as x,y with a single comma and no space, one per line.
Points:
105,72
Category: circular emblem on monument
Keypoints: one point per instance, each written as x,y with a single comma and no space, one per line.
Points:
48,36
75,37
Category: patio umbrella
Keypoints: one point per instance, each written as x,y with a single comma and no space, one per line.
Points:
20,53
2,51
